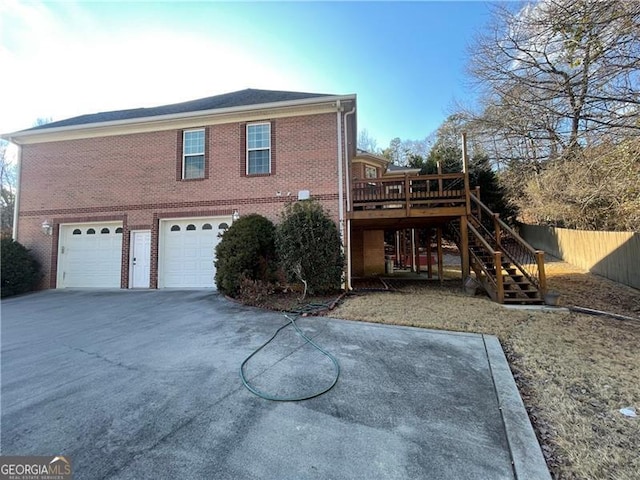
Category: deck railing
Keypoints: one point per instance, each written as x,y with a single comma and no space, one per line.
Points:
410,191
503,238
487,263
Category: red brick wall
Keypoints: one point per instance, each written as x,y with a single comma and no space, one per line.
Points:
133,177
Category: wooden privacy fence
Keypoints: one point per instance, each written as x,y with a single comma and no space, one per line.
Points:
614,255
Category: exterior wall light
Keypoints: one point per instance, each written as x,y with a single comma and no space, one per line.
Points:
235,216
47,228
304,195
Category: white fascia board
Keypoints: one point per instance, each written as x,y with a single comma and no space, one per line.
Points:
180,120
363,157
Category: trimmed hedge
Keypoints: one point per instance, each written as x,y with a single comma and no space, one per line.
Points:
309,247
246,251
20,272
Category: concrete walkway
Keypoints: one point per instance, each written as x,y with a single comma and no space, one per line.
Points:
145,384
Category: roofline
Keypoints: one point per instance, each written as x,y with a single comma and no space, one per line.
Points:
16,137
372,156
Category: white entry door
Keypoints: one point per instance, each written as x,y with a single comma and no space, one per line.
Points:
140,270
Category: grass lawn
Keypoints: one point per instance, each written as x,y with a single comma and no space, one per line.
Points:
574,371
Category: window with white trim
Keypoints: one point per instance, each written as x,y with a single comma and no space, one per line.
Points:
193,154
258,148
370,172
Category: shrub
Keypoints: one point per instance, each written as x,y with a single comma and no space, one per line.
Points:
309,247
597,188
20,271
246,251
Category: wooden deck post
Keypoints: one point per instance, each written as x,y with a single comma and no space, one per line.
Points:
440,256
429,264
439,166
542,277
417,235
464,242
497,261
407,193
412,239
465,170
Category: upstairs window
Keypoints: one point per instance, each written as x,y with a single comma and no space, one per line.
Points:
258,148
193,154
370,172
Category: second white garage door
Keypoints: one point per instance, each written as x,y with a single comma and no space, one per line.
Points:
187,251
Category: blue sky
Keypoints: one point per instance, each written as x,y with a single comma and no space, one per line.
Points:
405,61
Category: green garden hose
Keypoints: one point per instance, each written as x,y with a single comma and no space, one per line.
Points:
292,321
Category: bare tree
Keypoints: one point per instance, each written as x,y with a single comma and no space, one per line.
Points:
42,121
367,143
559,71
8,190
406,152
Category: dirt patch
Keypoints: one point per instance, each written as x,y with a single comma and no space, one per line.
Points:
293,301
581,288
574,371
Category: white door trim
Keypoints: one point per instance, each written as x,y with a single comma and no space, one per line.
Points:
132,256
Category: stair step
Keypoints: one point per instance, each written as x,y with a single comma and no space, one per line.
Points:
511,281
509,272
514,294
512,287
523,301
516,287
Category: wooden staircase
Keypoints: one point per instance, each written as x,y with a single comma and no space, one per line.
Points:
506,266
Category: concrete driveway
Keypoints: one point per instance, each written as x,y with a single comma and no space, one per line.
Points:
145,384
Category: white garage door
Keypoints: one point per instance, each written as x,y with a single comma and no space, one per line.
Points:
89,255
187,251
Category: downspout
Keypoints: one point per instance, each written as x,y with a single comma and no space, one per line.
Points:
16,200
339,110
348,182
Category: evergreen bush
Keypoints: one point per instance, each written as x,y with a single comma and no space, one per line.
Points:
309,247
20,272
246,252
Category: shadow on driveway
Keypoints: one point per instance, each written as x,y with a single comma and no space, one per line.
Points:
146,384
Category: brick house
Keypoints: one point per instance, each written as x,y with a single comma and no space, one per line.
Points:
137,198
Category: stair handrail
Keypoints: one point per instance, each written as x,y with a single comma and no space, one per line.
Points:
479,202
479,236
536,278
496,279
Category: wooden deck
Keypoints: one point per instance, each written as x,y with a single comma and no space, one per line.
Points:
439,195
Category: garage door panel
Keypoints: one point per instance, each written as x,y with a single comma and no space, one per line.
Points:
87,259
187,255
